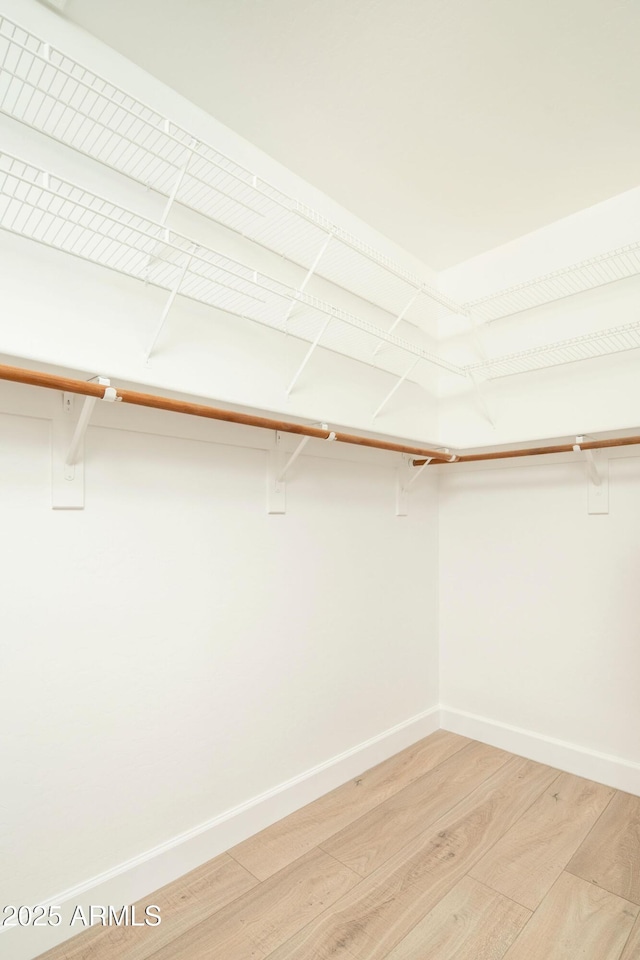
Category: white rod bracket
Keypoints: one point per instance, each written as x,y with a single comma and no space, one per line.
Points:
406,476
292,459
67,462
308,355
416,473
76,447
67,482
396,387
597,479
276,467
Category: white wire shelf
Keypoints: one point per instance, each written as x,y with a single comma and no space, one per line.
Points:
52,93
585,347
619,264
46,89
59,214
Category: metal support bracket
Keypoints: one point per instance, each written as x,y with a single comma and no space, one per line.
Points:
397,320
276,488
167,307
294,456
178,183
406,476
597,479
309,354
278,467
171,198
67,465
310,272
396,387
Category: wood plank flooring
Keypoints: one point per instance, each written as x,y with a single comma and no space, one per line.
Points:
451,850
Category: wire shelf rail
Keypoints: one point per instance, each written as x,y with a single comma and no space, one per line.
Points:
586,347
49,91
609,267
59,214
44,88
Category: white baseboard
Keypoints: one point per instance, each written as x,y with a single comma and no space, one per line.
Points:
601,767
137,878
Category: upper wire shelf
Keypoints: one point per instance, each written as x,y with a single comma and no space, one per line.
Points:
59,214
619,264
585,347
48,90
62,215
52,93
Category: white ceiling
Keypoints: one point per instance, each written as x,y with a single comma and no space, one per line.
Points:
452,126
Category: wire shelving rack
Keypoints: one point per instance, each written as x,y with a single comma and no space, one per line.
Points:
42,207
618,264
586,347
49,91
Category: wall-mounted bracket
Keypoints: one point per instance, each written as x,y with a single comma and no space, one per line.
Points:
278,465
395,387
310,272
276,488
397,320
67,466
309,354
167,307
406,476
294,456
597,479
178,182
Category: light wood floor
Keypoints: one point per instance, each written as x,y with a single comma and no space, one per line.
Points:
451,850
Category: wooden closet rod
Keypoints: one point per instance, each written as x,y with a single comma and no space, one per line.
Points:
539,451
88,389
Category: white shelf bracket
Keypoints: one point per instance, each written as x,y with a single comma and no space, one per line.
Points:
172,196
276,487
67,465
178,182
481,395
167,307
308,354
406,476
310,272
76,447
278,467
398,319
597,479
396,387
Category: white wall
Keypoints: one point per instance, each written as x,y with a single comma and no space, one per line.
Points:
172,651
540,613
